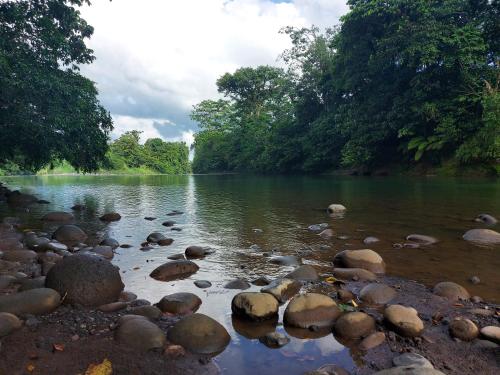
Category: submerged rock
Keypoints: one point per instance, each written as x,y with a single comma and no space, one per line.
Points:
255,306
311,310
155,237
482,236
365,258
85,280
110,216
199,334
354,274
451,291
274,340
173,270
35,301
327,233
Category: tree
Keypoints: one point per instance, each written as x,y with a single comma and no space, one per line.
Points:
48,111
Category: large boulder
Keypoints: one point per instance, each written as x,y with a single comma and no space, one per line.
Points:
140,334
179,303
304,273
8,323
176,269
404,320
354,274
354,325
311,310
451,291
282,289
365,258
199,334
86,280
377,294
58,216
255,306
482,236
35,301
69,235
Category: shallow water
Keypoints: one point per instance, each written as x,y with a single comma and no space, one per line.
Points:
222,211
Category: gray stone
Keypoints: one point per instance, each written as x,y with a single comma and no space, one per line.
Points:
35,301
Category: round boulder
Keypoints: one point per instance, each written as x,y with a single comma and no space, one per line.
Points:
86,280
111,242
482,236
377,294
311,310
179,303
354,325
404,320
58,216
464,329
8,323
451,291
176,269
35,301
255,306
365,258
197,252
140,334
69,235
110,216
199,334
237,284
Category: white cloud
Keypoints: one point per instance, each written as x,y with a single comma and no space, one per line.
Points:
157,58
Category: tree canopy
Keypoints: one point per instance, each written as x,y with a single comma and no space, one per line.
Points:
48,110
397,82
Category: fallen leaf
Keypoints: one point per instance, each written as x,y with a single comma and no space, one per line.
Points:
103,368
58,347
352,302
30,368
330,280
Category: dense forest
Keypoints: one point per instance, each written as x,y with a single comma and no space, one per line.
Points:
396,83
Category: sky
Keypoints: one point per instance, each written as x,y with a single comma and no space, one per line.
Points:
155,59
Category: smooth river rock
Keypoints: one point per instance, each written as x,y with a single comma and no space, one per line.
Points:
372,341
140,333
285,260
354,274
354,325
35,301
282,289
486,219
110,216
69,235
377,294
451,291
311,309
22,256
464,329
304,273
482,236
58,216
111,242
336,208
365,258
197,252
176,269
255,306
491,333
85,280
411,360
179,303
404,320
8,323
237,284
199,334
422,239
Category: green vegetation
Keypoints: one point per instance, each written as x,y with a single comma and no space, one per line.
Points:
48,111
397,82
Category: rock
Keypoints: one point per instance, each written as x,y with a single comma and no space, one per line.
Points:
354,274
11,244
491,333
125,246
203,284
329,369
199,334
197,252
140,334
155,237
69,235
285,260
111,242
58,216
405,370
35,301
6,281
451,291
317,227
311,309
366,259
255,306
177,257
110,216
165,241
8,323
370,240
274,340
421,239
104,251
482,236
463,329
484,344
411,360
377,294
303,273
354,325
86,280
475,280
173,270
150,218
21,256
147,311
372,341
56,247
336,208
486,219
327,233
282,289
261,281
127,296
168,223
113,306
404,320
35,283
176,229
78,207
345,295
237,284
179,303
253,329
15,198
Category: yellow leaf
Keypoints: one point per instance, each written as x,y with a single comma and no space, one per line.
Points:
104,368
30,368
330,280
353,303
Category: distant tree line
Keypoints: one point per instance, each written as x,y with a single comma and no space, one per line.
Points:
397,82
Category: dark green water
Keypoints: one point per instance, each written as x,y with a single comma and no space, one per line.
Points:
222,211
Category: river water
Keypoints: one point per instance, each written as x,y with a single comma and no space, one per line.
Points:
223,211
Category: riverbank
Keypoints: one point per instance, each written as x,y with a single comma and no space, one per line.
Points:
97,330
